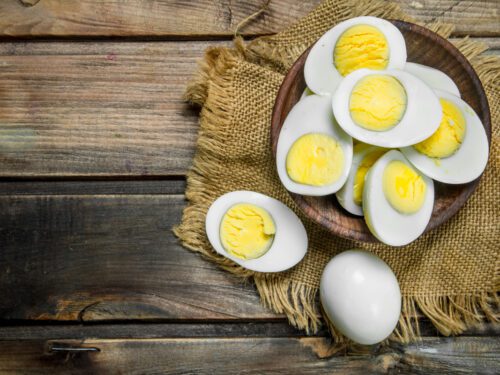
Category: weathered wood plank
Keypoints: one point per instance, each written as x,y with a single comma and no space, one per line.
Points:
181,329
250,356
95,187
88,109
109,257
219,18
80,109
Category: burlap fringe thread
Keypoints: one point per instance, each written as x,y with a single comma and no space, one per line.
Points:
451,315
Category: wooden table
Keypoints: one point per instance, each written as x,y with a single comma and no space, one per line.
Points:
95,141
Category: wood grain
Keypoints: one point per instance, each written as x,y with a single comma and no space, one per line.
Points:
250,356
180,19
94,258
179,328
80,109
424,47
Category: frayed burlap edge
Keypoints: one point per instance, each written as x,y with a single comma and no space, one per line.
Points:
450,315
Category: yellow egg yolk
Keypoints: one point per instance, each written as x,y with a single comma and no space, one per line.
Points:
359,178
361,46
378,102
403,187
315,159
247,231
448,137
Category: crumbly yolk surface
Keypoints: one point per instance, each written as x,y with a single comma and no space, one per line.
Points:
377,102
247,231
315,159
403,187
361,46
448,137
359,178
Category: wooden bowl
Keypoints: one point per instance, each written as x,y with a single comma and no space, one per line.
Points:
424,47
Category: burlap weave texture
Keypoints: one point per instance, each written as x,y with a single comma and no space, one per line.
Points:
450,274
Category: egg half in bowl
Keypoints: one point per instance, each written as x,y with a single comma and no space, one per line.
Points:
457,152
313,154
391,108
358,43
397,200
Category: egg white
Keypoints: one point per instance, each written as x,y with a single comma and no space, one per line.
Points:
387,224
312,114
290,240
420,120
345,195
320,72
361,296
433,77
468,162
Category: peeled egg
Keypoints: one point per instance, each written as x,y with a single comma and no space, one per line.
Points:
350,196
256,231
314,154
391,108
434,78
360,295
362,42
397,200
461,141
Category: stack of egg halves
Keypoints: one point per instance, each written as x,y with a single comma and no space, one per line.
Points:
376,130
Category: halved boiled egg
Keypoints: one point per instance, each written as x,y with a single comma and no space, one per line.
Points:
362,42
256,231
314,154
457,152
397,200
350,196
434,78
390,108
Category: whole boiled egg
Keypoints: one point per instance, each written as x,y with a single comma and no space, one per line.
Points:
350,196
362,42
313,154
397,200
256,231
360,295
457,152
390,108
434,78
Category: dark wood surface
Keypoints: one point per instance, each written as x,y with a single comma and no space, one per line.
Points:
423,47
94,145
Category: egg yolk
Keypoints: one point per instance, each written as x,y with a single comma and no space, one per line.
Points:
378,102
315,159
247,231
403,187
448,137
359,178
361,46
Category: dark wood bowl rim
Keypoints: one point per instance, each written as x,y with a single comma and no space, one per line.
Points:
469,188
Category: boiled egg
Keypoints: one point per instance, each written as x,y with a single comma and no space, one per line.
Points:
362,42
256,231
434,78
350,196
314,154
457,152
360,295
390,108
397,200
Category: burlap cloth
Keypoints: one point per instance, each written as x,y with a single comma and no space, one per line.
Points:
450,274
